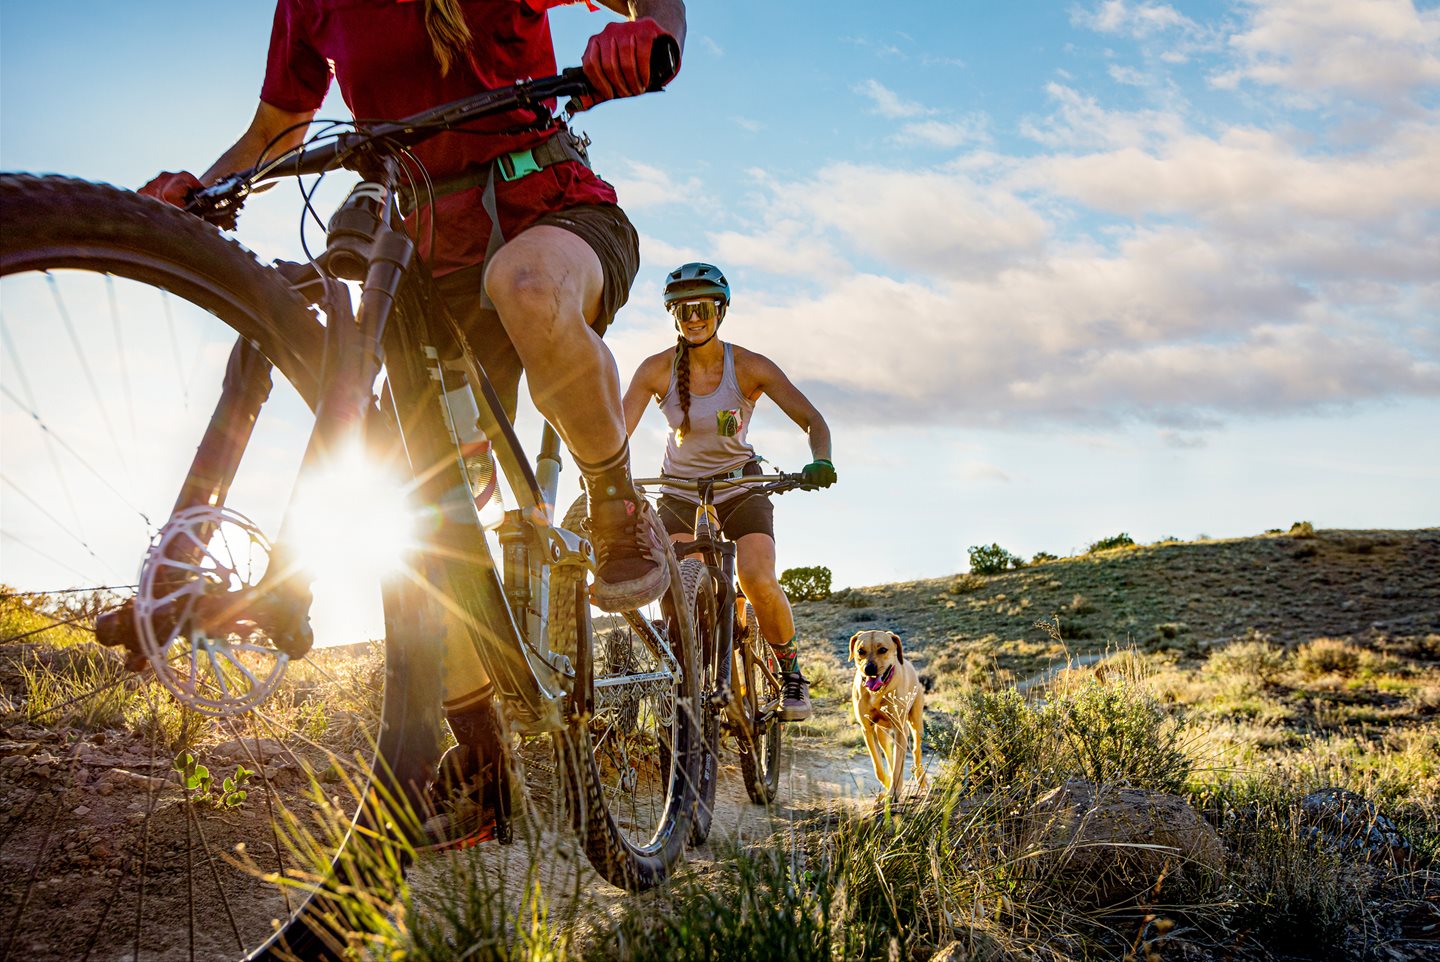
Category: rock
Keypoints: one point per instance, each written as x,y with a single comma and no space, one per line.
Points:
1110,846
1352,824
248,751
119,780
80,810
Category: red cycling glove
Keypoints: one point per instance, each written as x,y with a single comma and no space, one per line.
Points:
172,188
617,59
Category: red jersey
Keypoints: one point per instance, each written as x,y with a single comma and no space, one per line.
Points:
380,53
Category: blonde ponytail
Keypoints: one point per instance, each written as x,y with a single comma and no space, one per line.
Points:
449,33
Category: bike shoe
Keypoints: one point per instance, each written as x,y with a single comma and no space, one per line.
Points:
470,798
631,547
794,696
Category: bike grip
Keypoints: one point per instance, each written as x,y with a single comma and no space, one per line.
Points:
575,75
664,62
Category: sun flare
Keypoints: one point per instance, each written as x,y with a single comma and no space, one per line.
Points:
351,524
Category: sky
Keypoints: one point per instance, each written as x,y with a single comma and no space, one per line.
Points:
1051,271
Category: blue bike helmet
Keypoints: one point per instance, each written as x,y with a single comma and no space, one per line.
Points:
696,280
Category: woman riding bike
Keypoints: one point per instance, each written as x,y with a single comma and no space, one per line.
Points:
708,389
529,248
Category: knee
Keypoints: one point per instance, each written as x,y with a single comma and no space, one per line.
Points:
760,584
533,305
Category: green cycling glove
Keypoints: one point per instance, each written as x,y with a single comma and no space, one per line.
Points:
818,474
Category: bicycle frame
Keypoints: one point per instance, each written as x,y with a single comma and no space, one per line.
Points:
503,610
719,554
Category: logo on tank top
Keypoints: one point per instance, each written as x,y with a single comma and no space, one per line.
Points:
728,423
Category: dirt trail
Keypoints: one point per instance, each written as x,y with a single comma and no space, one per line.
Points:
815,777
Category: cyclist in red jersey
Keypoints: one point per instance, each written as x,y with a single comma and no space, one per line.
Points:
536,289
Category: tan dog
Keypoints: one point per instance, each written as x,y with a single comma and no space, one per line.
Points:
888,697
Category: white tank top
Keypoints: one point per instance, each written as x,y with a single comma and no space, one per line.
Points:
716,443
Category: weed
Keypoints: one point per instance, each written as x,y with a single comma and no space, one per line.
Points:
199,785
82,685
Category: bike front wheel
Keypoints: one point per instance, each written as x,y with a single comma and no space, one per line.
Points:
699,592
203,807
630,750
757,693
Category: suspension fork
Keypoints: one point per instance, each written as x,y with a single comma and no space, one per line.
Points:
244,391
354,355
725,615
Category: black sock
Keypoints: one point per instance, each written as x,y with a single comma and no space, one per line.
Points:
610,477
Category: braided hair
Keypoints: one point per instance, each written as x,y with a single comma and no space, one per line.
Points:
682,385
450,35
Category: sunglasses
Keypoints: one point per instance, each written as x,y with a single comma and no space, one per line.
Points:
700,310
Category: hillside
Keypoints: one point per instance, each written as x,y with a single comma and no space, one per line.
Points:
1380,586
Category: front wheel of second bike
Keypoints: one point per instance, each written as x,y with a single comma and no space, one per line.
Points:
630,804
757,695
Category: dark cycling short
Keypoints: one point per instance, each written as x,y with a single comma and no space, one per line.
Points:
613,239
740,515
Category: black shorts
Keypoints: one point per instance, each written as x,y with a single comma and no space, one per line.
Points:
741,515
613,239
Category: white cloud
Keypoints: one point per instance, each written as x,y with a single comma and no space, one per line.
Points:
1145,264
982,471
1137,20
1256,182
747,124
888,103
643,185
929,220
782,248
1379,50
1080,121
942,133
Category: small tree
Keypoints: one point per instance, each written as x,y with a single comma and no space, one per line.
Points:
992,559
806,584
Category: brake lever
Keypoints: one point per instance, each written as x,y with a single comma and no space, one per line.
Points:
220,203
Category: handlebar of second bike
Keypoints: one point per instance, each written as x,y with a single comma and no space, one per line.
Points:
777,483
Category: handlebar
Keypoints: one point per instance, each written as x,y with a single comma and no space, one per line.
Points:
777,483
225,196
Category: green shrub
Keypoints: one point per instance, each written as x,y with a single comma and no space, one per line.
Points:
1121,540
965,584
1294,894
1249,662
806,584
852,598
992,559
1120,734
1325,656
1302,529
1043,556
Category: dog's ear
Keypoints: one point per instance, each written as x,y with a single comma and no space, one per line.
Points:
853,638
899,650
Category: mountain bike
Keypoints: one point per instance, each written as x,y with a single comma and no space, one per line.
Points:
333,749
740,688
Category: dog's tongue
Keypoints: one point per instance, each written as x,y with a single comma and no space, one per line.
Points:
877,683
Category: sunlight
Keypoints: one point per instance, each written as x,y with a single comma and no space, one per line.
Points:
350,525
